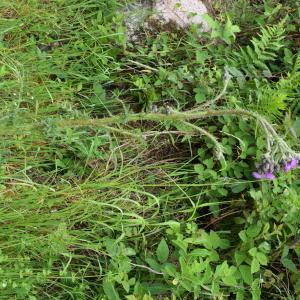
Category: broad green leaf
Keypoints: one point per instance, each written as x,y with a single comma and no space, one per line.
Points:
264,247
153,264
239,257
253,251
110,290
200,94
255,290
229,31
129,251
239,295
209,163
214,256
208,274
296,127
229,280
222,269
213,24
243,236
246,274
181,244
289,264
222,192
237,188
262,258
162,251
185,268
255,266
200,252
253,230
170,269
214,239
199,168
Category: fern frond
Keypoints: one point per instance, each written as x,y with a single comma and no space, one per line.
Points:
273,100
296,68
254,58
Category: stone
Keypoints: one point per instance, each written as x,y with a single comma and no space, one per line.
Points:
182,13
136,16
164,15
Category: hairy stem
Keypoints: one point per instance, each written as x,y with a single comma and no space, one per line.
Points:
219,148
159,117
186,116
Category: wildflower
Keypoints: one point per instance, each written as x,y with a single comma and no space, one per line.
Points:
265,169
289,165
266,175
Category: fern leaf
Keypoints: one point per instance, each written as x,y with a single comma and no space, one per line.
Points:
254,58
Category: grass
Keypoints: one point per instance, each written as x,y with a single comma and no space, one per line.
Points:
126,169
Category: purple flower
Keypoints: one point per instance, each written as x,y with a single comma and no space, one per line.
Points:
266,175
292,164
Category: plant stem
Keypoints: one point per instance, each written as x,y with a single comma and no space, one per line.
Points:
159,117
186,116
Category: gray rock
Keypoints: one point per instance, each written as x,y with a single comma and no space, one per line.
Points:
136,16
182,13
164,15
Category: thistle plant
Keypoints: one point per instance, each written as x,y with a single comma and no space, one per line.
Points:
278,156
269,166
278,153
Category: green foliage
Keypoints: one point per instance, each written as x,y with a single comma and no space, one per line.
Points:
253,60
226,32
145,210
273,100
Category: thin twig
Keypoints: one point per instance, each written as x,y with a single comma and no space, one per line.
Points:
147,268
142,65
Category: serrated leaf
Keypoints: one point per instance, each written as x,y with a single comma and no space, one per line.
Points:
214,239
110,290
255,266
255,290
200,96
199,169
262,258
162,251
243,236
253,251
246,274
209,163
229,280
253,231
239,257
229,31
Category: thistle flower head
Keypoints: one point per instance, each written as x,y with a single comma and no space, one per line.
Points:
265,169
290,164
267,175
268,166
